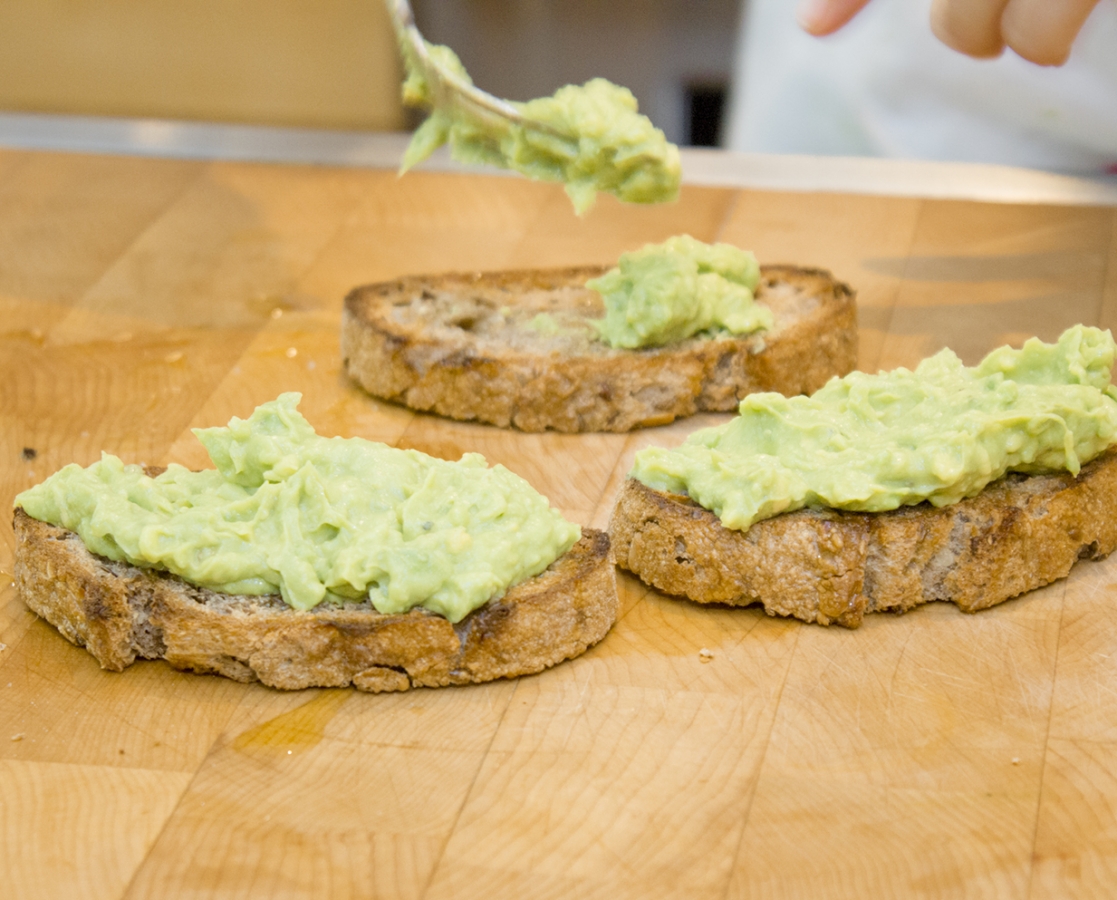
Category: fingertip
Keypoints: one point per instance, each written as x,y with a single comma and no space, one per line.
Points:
1041,57
1043,34
822,17
976,38
812,17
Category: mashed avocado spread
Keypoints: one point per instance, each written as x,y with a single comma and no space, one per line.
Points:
315,518
601,142
877,442
671,291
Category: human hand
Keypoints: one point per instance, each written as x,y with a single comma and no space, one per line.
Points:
1038,30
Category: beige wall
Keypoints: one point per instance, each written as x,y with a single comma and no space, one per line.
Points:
310,63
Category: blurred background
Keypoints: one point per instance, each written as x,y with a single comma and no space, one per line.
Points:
676,56
301,63
332,63
738,74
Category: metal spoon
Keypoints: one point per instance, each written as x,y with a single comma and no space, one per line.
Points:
450,93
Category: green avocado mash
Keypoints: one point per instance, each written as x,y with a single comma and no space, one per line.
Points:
670,291
877,442
601,142
315,518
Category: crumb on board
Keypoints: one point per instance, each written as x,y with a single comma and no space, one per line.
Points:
29,453
17,737
705,655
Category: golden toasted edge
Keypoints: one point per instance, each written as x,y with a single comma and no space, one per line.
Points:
536,391
120,612
827,566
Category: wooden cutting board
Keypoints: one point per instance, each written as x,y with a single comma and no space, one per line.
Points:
936,754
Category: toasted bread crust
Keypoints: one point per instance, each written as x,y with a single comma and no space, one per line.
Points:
828,566
468,346
119,612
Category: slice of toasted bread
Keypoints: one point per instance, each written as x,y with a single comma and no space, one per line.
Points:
517,349
119,612
826,566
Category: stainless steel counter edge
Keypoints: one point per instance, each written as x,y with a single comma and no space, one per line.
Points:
711,167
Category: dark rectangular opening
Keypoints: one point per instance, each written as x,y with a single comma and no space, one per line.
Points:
705,107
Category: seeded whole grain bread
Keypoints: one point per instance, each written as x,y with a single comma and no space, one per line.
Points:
119,613
516,349
828,566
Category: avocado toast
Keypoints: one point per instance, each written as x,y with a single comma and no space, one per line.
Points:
518,349
305,561
1036,493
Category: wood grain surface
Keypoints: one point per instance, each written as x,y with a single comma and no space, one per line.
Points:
936,754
